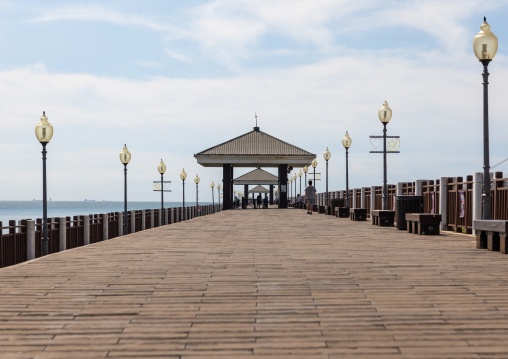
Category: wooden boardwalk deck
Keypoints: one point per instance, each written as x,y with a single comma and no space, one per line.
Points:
265,283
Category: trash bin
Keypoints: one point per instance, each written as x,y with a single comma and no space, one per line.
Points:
337,202
407,204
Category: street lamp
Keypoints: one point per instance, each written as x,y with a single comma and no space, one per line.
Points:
327,155
300,175
183,176
346,142
485,48
218,194
314,165
212,185
385,115
305,170
44,132
196,181
125,157
162,170
291,189
295,177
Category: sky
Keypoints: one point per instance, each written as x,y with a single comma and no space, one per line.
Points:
172,78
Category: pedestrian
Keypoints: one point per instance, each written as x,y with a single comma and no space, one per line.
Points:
310,193
259,200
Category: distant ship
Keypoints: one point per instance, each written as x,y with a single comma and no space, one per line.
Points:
89,200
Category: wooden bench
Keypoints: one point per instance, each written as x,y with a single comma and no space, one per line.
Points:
423,223
358,214
491,234
383,218
342,212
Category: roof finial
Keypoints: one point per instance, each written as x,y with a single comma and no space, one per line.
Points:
256,128
485,18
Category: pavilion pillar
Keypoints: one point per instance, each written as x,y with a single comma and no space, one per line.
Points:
232,185
271,194
227,182
283,186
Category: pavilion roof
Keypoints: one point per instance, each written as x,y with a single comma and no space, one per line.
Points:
257,177
254,149
259,189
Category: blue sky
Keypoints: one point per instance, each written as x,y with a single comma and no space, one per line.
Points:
171,78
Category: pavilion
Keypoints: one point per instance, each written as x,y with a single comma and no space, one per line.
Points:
258,177
254,149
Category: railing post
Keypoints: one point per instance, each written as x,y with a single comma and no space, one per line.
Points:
152,218
166,219
372,199
443,195
86,229
364,203
419,187
120,224
62,229
30,239
477,196
143,219
400,186
354,198
133,221
105,225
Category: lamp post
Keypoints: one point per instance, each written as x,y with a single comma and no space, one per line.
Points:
346,142
44,132
385,115
314,165
218,194
300,175
162,170
485,48
327,155
305,170
125,157
196,181
291,189
294,178
183,176
212,185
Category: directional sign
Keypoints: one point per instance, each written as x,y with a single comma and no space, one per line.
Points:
157,186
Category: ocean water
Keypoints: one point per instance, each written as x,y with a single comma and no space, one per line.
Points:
16,210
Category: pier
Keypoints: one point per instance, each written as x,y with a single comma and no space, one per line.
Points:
274,283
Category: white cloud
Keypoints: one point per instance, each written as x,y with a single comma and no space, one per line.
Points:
95,12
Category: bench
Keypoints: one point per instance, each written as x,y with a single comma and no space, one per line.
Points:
358,214
315,208
423,223
328,210
383,218
342,212
321,209
491,234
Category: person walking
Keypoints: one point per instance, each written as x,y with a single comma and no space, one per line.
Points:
259,200
310,195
